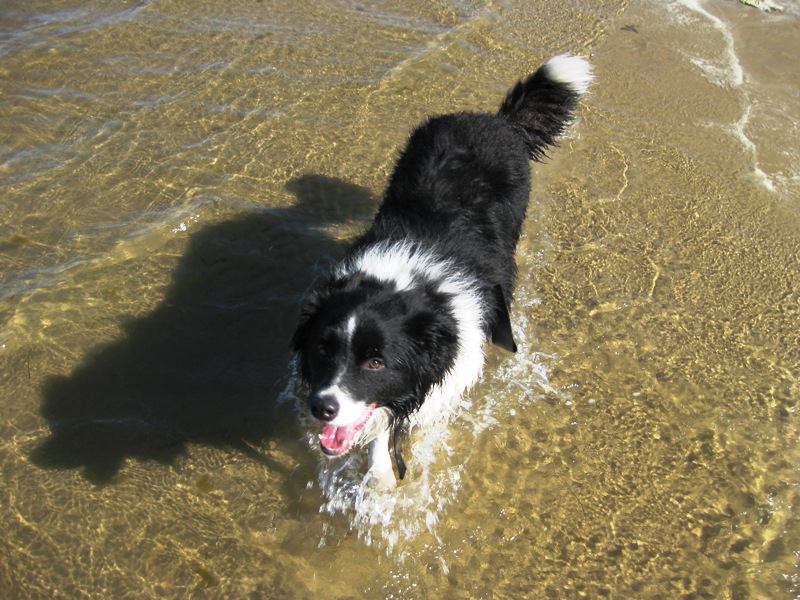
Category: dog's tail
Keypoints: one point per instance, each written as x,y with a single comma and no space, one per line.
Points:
544,104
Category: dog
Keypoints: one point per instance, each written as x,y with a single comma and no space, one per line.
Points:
395,335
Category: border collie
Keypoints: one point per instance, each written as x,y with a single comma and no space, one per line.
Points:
395,335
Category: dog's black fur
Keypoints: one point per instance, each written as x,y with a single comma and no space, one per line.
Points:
394,326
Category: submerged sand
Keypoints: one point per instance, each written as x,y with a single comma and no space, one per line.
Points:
175,176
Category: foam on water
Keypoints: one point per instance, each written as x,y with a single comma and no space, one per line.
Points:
726,71
726,74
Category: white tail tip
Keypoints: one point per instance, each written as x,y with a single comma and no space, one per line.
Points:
573,71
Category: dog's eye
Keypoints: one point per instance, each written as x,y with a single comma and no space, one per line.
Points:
322,349
374,364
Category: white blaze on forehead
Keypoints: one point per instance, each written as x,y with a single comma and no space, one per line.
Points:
350,409
350,329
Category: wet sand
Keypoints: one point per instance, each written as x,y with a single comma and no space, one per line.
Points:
174,177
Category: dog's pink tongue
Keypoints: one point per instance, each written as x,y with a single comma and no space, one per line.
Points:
335,440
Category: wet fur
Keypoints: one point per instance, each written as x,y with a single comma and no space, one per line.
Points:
401,323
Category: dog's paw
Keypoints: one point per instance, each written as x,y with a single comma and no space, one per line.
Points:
383,480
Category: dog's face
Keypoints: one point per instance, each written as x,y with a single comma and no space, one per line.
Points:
369,352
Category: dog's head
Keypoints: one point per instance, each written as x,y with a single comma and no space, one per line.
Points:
370,353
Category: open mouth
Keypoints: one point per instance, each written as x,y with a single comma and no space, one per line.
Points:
334,441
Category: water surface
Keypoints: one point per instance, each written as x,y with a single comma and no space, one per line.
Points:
175,175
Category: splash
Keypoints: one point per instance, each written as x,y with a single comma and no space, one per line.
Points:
389,517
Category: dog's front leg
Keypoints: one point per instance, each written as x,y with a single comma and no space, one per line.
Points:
380,472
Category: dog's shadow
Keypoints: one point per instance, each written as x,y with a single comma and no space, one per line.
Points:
208,364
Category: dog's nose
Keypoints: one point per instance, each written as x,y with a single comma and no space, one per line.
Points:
323,406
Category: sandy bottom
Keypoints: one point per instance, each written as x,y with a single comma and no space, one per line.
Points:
174,178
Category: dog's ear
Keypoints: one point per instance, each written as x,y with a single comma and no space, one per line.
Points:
310,312
398,458
301,334
431,330
499,319
306,323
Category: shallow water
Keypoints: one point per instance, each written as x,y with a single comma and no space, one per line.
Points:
175,174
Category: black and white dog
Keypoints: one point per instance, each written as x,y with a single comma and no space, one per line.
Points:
395,335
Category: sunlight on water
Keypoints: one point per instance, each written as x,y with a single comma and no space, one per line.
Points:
177,174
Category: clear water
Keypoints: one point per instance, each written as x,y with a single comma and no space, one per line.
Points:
175,174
